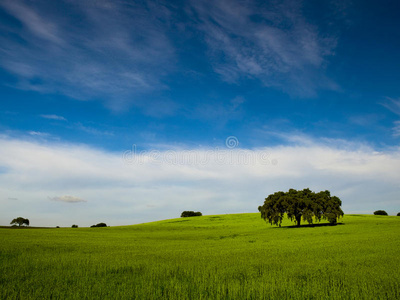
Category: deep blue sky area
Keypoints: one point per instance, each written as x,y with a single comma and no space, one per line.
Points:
162,75
187,73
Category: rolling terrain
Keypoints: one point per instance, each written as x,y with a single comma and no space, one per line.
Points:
235,256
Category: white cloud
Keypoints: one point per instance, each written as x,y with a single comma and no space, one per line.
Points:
38,133
54,117
67,199
160,185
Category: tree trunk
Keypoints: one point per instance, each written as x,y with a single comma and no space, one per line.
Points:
298,220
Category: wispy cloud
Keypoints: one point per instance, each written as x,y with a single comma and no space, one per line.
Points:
365,120
220,112
396,129
393,105
273,43
54,117
91,130
67,199
33,22
38,133
103,50
124,52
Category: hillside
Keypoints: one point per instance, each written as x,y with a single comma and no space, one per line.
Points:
211,257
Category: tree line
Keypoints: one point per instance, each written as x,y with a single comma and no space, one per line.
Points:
300,205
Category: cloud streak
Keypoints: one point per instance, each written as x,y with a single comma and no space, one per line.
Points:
394,106
53,117
396,129
272,42
67,199
39,134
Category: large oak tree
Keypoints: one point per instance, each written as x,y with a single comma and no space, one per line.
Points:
20,221
298,205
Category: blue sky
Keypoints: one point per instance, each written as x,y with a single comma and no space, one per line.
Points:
313,83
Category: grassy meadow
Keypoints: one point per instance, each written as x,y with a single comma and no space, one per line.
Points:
211,257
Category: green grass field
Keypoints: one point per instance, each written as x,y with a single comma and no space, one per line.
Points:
211,257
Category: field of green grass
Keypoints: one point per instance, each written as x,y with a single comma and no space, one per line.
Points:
211,257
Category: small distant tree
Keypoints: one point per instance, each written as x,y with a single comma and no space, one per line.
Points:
398,214
301,205
380,213
20,221
74,226
99,225
187,213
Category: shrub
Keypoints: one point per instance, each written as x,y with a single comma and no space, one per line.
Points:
74,226
380,213
100,225
187,213
398,214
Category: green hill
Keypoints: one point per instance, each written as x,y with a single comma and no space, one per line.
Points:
211,257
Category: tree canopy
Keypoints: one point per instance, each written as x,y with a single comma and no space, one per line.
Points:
380,213
298,205
189,213
20,221
99,225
